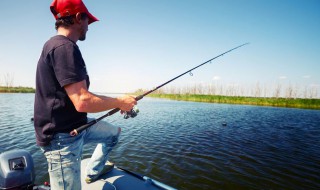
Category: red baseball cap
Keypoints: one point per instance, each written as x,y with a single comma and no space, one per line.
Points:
62,8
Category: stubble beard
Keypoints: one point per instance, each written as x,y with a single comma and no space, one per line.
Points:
82,37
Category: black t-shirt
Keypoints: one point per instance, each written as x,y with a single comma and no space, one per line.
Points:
60,64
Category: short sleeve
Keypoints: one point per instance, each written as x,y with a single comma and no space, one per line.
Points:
68,64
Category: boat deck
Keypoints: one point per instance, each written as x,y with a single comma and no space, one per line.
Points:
116,179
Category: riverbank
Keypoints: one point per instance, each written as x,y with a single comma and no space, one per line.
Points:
18,89
276,102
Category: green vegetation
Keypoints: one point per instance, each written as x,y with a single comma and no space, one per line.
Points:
4,89
276,102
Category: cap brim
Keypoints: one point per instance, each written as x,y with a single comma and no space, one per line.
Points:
92,18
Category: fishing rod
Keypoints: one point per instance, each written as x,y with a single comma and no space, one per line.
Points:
134,112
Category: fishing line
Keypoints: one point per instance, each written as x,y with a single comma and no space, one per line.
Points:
134,111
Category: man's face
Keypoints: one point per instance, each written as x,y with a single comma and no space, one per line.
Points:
83,29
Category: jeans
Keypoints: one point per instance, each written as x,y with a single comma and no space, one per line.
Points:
64,154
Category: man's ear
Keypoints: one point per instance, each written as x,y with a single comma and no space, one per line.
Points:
78,18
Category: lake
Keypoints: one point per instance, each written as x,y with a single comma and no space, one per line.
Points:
195,145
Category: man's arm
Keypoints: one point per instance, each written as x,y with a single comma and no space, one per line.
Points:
85,101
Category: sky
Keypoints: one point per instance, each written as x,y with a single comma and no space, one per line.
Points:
140,44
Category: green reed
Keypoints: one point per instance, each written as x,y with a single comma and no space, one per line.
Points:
19,89
259,101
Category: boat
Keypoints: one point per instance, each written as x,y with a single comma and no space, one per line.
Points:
17,172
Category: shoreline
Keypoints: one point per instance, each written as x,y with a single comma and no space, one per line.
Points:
258,101
302,103
4,89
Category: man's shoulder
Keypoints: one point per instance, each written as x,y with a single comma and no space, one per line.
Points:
58,41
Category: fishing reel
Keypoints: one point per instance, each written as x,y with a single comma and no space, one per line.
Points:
132,113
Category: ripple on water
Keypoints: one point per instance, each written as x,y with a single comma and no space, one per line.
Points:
185,145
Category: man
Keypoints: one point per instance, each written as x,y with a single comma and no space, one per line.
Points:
63,100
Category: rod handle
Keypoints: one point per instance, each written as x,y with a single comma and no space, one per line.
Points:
78,130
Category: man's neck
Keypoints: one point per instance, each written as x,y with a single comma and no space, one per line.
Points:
67,32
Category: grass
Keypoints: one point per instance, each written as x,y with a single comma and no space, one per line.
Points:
276,102
305,103
19,89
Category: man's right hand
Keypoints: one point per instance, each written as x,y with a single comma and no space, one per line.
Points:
126,102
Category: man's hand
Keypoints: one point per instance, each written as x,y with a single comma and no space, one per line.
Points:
126,103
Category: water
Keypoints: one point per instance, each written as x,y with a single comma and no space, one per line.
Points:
196,145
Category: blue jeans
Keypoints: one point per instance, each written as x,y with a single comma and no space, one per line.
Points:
64,154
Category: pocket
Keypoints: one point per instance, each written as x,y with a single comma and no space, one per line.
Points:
64,139
62,152
58,159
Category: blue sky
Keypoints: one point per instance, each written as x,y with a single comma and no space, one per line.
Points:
143,43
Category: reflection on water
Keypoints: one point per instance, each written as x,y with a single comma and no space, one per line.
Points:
196,145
